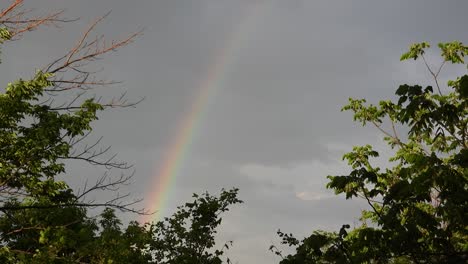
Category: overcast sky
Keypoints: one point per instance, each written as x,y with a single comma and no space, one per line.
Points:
273,125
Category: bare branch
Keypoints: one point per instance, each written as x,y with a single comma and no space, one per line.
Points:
434,75
10,8
19,21
124,207
84,51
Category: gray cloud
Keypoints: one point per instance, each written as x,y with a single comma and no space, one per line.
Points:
274,127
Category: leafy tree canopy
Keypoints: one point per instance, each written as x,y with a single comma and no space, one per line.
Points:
418,206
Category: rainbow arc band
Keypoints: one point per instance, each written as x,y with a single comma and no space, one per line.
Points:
165,177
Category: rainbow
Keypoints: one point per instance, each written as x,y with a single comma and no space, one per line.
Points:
165,177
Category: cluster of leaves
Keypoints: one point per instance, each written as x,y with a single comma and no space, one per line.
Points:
320,247
34,138
69,235
189,235
418,207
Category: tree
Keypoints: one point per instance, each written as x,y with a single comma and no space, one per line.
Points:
188,236
38,134
42,218
68,235
418,206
